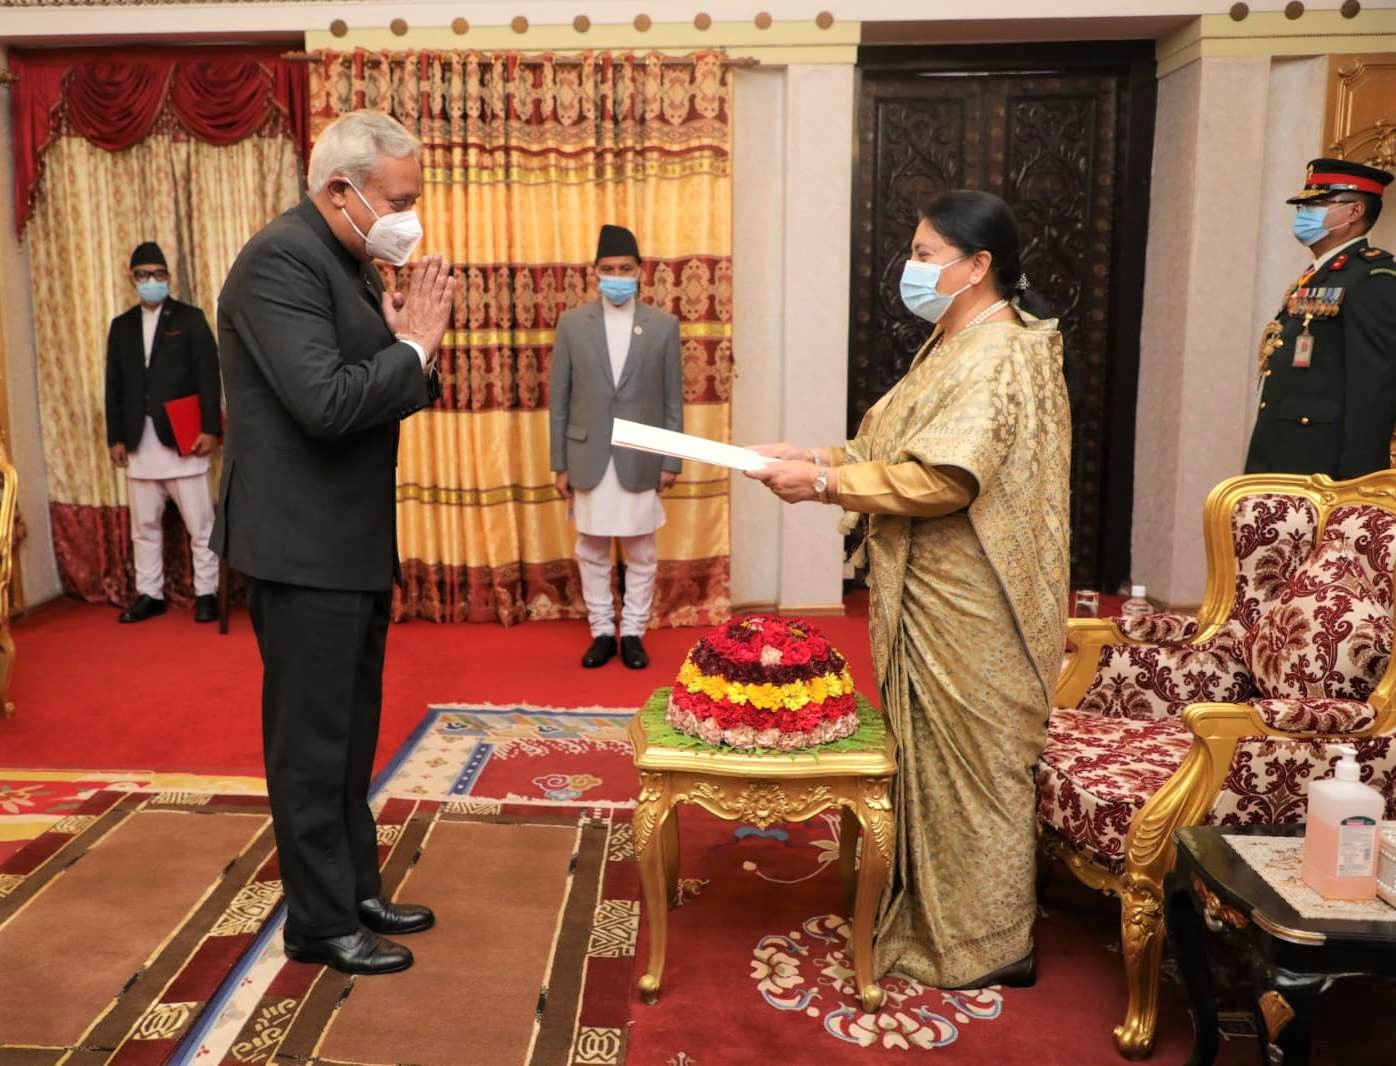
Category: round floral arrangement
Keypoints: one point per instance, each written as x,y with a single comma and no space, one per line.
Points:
764,682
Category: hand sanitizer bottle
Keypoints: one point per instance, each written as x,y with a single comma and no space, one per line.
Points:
1340,839
1136,606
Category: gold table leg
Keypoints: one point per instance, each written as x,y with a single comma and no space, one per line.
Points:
652,811
849,830
669,839
874,866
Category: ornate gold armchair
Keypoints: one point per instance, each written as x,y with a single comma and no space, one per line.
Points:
9,499
1173,721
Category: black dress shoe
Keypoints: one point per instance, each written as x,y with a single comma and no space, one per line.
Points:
362,951
632,653
206,608
1020,974
602,651
144,607
384,916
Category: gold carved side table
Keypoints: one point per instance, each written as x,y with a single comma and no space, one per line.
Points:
762,790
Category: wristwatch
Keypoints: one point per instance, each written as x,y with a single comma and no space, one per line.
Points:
821,484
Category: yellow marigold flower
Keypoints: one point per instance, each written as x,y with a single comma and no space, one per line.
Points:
818,690
737,694
714,687
795,697
766,697
690,677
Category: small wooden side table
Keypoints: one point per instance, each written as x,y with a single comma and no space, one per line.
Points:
762,790
1294,960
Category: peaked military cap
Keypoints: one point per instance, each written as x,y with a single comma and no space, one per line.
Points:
1328,176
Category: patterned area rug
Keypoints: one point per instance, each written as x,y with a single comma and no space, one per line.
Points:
34,801
514,823
527,917
112,949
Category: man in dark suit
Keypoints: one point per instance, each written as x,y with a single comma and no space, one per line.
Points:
1328,360
320,365
615,358
157,351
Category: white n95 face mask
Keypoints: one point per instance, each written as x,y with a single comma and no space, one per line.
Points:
392,238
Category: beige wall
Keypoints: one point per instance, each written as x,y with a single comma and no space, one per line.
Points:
1233,136
758,274
38,571
1162,338
1293,134
793,166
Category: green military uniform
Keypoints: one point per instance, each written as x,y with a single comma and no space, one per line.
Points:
1336,415
1328,368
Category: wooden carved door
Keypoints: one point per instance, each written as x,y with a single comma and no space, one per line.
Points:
1066,143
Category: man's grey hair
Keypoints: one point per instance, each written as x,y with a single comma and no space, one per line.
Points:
351,146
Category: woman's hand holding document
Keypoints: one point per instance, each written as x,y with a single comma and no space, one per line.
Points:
643,438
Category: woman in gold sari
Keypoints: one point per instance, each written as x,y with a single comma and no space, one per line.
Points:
962,469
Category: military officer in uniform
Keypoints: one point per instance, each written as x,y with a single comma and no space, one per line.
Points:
1328,360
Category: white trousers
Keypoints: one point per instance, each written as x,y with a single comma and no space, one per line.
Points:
641,563
195,503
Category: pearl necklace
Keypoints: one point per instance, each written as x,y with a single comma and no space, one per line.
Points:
992,309
988,312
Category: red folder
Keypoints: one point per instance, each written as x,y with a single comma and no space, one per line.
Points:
186,420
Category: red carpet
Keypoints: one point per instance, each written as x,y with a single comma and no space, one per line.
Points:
168,694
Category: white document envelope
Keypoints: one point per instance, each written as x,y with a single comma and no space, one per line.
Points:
643,438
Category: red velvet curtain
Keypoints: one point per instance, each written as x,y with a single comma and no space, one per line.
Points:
115,98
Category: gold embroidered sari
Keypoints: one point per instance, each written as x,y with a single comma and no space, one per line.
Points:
968,625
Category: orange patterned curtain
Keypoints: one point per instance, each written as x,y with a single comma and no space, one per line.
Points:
525,158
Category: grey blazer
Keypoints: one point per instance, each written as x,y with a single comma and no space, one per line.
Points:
583,399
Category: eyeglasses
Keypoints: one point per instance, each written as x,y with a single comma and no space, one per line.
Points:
151,275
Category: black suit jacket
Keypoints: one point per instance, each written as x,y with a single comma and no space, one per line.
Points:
316,386
183,362
1336,415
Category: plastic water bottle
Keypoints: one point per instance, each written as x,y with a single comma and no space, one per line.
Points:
1136,606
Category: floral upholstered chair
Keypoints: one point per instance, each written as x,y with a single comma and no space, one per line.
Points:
1169,721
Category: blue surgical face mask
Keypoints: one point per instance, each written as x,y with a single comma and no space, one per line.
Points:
1308,225
921,292
618,290
152,291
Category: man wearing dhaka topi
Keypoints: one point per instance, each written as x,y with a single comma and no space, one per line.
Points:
615,358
